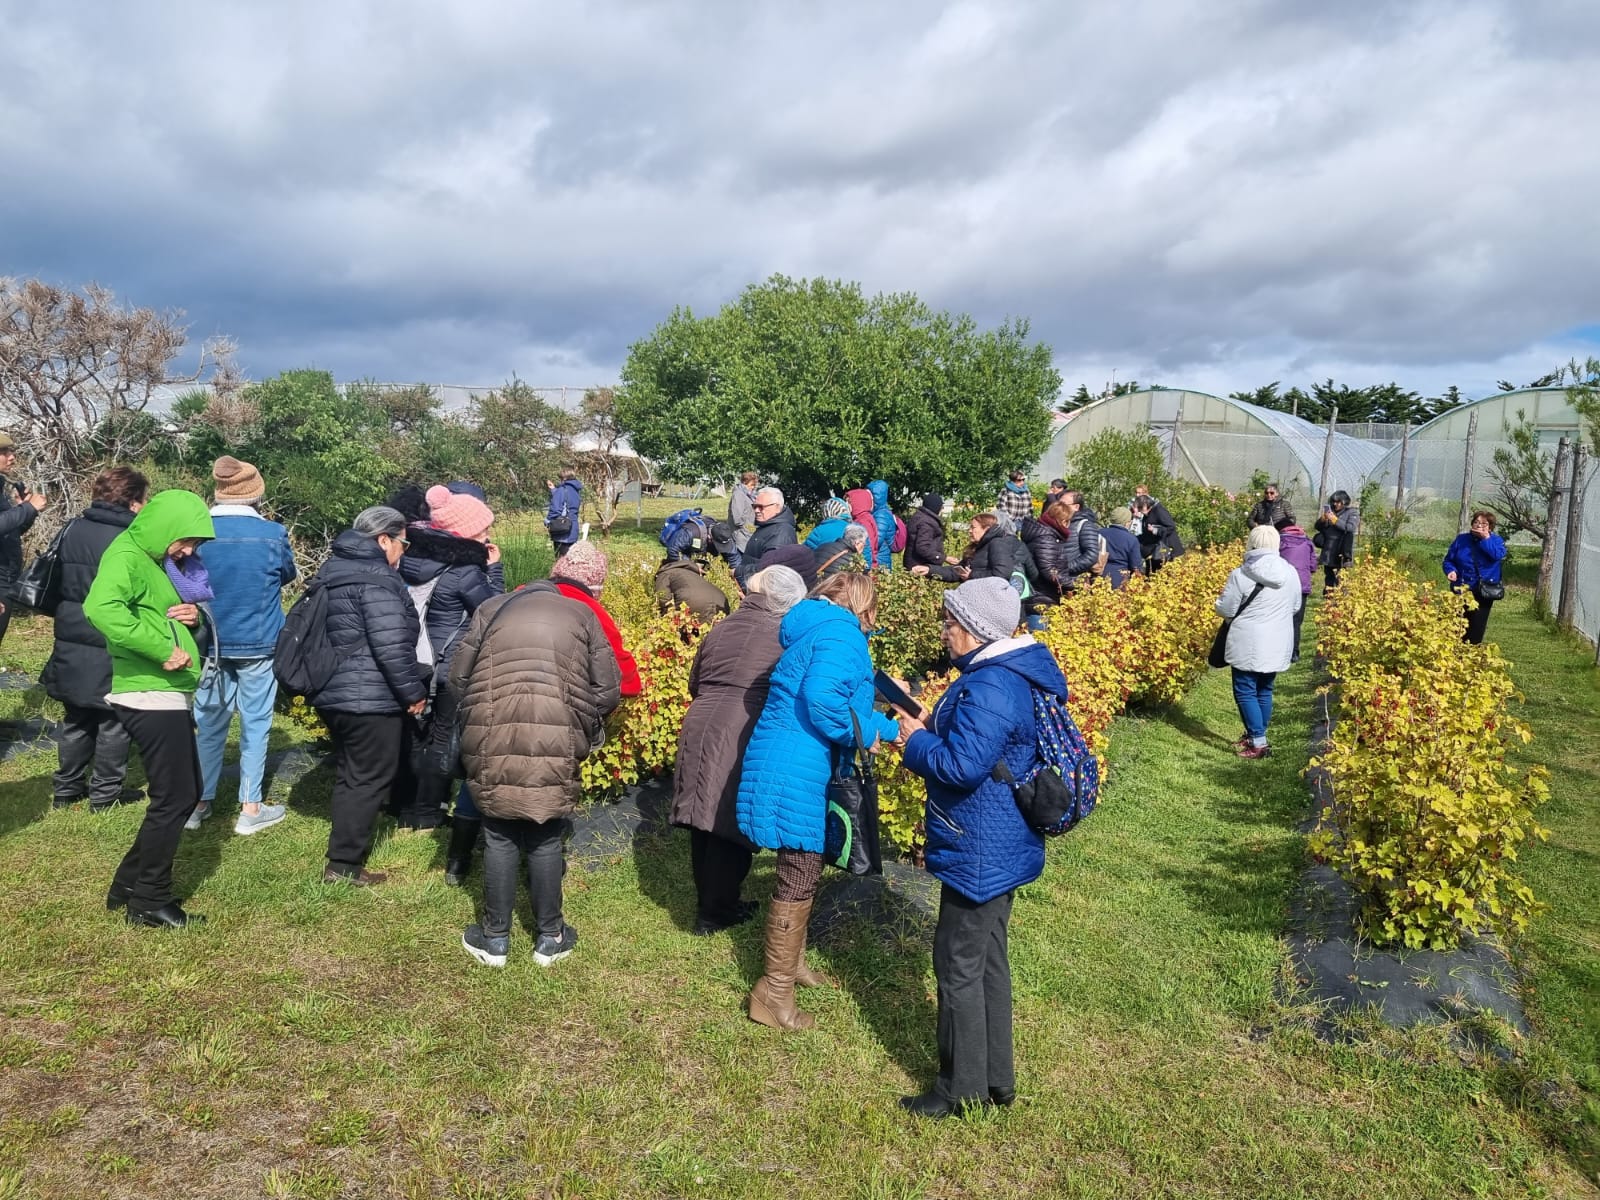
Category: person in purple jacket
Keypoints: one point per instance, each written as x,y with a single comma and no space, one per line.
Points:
1295,548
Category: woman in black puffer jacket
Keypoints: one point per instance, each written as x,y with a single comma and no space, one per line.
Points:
78,672
373,629
1045,544
452,568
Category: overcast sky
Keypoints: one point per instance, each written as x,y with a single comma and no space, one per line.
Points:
1213,194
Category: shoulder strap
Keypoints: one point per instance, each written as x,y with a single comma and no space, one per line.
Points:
821,567
1246,603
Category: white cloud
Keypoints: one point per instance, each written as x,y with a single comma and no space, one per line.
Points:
1213,194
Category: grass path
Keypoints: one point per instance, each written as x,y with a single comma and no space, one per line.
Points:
319,1042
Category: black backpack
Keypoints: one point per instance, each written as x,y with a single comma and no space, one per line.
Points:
303,660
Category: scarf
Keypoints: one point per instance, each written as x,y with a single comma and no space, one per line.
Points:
191,579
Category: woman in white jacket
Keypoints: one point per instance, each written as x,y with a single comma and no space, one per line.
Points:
1261,598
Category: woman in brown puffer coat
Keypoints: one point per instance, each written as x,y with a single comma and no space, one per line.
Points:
728,687
537,678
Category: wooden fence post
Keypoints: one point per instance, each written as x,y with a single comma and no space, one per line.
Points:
1553,528
1572,544
1405,451
1467,468
1327,458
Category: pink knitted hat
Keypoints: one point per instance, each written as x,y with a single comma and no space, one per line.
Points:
584,564
457,513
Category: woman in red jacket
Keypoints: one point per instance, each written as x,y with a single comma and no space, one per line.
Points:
579,575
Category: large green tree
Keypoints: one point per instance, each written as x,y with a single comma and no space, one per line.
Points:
823,389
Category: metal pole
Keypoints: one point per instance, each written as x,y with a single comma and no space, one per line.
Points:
1572,544
1172,450
1552,528
1327,458
1405,450
1467,468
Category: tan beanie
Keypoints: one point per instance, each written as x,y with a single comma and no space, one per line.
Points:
237,482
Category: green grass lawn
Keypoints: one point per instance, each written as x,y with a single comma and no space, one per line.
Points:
322,1042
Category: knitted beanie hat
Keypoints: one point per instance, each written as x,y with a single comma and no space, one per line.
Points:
798,559
834,509
237,482
585,565
989,609
464,516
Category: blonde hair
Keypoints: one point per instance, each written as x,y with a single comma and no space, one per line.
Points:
851,590
1264,537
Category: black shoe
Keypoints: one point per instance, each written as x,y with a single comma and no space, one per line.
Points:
64,801
125,796
1004,1097
458,858
930,1104
116,898
168,916
706,926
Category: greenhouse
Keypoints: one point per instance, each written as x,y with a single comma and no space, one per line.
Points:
1215,440
1436,454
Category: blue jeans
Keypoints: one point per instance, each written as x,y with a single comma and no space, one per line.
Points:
465,808
245,685
1252,692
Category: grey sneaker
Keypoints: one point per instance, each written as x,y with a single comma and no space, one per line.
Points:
549,949
202,812
268,816
490,951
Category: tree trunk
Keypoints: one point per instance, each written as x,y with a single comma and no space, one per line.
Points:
1552,530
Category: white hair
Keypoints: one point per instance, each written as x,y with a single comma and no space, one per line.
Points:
779,584
379,519
773,495
1264,537
855,536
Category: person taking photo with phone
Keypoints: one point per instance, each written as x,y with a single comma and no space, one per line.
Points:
19,508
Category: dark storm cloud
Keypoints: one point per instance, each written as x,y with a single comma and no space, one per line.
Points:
462,192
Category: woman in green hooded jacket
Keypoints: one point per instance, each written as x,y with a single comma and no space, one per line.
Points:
155,668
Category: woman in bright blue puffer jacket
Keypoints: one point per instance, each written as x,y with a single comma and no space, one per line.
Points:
978,845
888,532
824,676
1472,561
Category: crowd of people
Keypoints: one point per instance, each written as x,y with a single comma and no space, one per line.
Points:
450,700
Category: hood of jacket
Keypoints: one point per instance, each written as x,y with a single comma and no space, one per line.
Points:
169,517
114,515
1084,514
693,566
1022,656
1267,567
807,617
879,491
358,547
933,504
444,548
860,501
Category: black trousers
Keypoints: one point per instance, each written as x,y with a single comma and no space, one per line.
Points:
972,967
91,735
1299,620
1330,576
720,868
1478,621
507,845
366,748
172,765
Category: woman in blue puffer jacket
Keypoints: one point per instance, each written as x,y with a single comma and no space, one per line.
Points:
1472,561
823,680
884,518
979,847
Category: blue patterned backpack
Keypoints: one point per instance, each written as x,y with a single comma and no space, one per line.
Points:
1063,785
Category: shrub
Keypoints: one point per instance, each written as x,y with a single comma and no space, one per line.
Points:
1108,466
910,607
1427,814
1207,516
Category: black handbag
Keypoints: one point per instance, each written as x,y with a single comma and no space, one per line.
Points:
39,587
1219,644
850,840
1491,590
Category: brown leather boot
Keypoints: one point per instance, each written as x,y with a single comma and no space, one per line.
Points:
772,999
804,976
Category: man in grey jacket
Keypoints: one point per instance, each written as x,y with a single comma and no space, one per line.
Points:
1080,557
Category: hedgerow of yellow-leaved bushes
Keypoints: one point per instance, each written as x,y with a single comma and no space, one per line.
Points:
1146,642
1427,814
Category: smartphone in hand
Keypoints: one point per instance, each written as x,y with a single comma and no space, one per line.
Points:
895,694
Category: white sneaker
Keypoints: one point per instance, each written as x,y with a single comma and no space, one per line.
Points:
268,816
202,812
